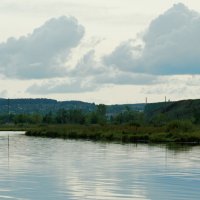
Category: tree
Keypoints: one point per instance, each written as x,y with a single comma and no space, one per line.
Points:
48,118
101,109
101,113
61,116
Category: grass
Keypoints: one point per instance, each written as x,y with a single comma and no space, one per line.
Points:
19,127
119,133
174,132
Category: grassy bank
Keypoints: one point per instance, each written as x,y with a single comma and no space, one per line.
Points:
19,127
119,133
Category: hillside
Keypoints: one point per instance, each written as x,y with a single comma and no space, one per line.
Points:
185,109
43,106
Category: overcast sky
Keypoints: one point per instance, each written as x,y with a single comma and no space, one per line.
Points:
107,51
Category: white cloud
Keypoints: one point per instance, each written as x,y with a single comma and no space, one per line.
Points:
43,53
166,48
171,46
124,55
90,74
98,73
88,66
56,86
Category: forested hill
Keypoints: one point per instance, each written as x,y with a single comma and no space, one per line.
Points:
185,109
43,106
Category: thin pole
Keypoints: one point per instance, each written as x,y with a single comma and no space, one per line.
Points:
8,149
8,140
165,103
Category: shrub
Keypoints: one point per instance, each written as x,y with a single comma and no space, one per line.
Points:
177,126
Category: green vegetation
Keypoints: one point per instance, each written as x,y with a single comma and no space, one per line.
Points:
119,133
122,133
180,110
75,116
171,122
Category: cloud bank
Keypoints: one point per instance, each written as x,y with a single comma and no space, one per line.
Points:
89,75
171,46
168,47
43,53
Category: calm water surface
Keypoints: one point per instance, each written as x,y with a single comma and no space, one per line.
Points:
39,168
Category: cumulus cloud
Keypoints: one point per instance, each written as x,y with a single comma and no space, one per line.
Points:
90,75
123,55
63,86
170,46
98,73
91,83
117,77
88,66
43,53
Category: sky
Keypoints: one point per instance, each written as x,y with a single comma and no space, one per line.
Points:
107,51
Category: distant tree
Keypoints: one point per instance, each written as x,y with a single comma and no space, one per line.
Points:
61,116
159,120
92,118
101,109
196,115
21,118
101,113
130,117
48,118
76,116
34,118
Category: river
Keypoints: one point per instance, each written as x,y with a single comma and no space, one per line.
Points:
56,169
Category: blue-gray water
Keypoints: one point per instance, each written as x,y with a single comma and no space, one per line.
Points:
39,168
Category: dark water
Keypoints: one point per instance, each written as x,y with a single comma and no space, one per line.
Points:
38,168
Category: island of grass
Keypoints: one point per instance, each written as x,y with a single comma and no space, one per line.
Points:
174,132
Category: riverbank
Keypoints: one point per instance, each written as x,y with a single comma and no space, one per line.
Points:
117,133
19,127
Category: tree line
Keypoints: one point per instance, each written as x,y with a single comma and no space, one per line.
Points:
101,117
76,116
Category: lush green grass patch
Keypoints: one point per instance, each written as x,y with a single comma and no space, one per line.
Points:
120,133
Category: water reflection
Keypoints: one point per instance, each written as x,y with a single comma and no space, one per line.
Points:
179,148
41,168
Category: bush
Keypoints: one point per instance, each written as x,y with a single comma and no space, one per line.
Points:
177,126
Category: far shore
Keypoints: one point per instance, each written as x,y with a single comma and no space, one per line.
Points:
110,133
116,133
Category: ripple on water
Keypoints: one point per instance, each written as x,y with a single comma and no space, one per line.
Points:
38,168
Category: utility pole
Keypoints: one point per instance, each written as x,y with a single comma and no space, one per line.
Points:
8,149
165,104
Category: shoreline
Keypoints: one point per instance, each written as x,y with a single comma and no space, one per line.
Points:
116,133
